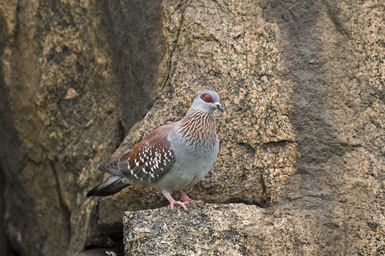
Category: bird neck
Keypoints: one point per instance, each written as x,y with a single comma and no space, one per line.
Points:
198,128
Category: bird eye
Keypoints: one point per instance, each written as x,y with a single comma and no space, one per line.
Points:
207,98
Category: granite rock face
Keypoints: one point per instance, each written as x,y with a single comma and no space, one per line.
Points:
324,60
207,229
68,95
240,59
302,137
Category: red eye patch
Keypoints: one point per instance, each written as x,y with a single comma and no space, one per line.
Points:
206,97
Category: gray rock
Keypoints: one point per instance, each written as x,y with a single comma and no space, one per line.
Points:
98,252
206,229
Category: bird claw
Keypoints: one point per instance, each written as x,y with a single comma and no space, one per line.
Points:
182,204
173,202
183,200
186,199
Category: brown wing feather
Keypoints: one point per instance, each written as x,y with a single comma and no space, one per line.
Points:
146,161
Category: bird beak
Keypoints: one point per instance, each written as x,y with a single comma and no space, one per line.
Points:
219,106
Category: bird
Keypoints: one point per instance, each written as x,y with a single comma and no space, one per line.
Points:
172,157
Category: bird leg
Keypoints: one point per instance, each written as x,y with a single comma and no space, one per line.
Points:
173,202
184,198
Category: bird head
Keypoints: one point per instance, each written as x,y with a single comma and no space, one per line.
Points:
207,101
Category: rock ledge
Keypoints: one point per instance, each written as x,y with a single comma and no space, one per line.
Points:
206,229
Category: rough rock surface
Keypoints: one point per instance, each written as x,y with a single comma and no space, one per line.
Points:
303,87
68,95
334,51
331,55
239,59
207,229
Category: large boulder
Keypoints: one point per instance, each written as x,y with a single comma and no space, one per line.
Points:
74,79
206,229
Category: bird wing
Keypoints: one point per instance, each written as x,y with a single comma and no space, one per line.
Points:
147,160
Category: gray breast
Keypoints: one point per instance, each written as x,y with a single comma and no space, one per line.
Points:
191,165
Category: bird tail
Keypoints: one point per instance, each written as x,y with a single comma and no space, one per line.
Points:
109,187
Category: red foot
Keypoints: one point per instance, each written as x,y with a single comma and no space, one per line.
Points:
178,203
173,202
185,199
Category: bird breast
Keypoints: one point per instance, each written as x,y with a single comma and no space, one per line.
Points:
191,164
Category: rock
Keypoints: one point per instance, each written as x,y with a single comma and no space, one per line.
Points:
332,51
258,149
4,250
330,74
206,229
98,252
61,72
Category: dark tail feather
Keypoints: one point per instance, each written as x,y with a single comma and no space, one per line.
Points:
111,186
